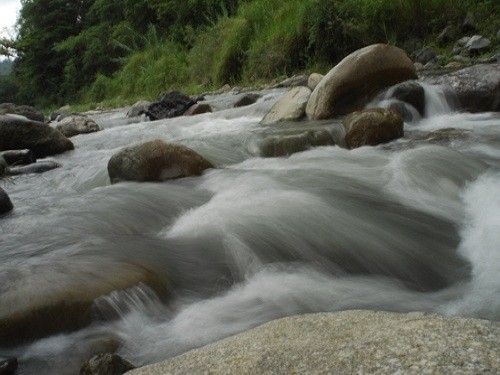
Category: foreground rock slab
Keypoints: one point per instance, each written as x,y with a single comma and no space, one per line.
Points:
290,107
356,79
19,133
155,161
371,127
77,124
106,364
349,342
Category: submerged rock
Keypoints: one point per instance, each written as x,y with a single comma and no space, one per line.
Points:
155,161
138,108
5,202
39,167
446,135
18,157
290,107
356,79
106,364
23,110
77,124
348,342
289,144
198,109
171,104
247,99
477,87
8,366
371,127
17,133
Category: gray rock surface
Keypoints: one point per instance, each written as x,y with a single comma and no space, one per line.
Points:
23,110
298,80
77,124
477,44
106,364
348,342
314,79
289,144
138,108
290,107
198,109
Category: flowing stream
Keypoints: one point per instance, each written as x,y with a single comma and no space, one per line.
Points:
412,225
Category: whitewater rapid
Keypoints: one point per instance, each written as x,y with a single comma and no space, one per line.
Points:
410,226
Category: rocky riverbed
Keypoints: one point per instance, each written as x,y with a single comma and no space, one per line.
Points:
145,236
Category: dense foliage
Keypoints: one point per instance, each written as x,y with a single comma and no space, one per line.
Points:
96,50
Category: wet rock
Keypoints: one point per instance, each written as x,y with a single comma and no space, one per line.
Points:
426,55
155,161
36,168
298,80
23,110
247,99
289,144
18,157
171,104
446,135
410,92
401,109
357,79
477,44
469,24
17,133
198,109
371,127
8,366
5,202
348,342
61,113
106,364
290,107
138,108
477,88
313,80
77,124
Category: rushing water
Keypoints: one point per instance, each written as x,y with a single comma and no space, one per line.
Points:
407,226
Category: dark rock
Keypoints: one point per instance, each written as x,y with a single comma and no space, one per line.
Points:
351,84
77,124
23,110
286,145
18,157
8,366
5,202
138,108
446,35
477,87
171,104
60,113
17,133
299,80
39,167
426,55
469,24
371,127
247,99
106,364
477,44
198,109
401,109
155,161
410,92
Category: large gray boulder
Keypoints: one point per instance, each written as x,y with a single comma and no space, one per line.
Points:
155,161
77,124
357,79
22,110
371,127
477,88
348,342
290,107
5,202
18,133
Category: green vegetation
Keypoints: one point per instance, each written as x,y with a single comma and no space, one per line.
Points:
116,51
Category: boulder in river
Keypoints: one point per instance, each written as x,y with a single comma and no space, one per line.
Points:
106,364
351,84
77,124
247,99
313,80
171,104
155,161
285,145
198,109
371,127
290,107
138,108
8,366
477,87
18,157
348,342
39,167
18,133
5,202
22,110
410,92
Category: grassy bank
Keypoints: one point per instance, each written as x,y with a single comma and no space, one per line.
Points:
268,39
